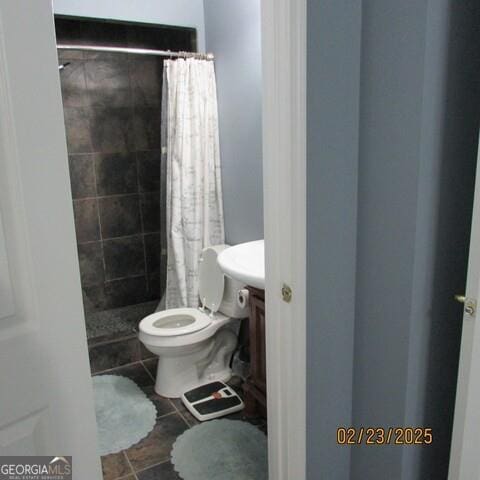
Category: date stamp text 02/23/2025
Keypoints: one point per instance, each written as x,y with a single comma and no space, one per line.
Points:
384,436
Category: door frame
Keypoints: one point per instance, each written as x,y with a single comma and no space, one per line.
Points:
284,187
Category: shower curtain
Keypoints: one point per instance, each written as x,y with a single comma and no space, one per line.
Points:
190,146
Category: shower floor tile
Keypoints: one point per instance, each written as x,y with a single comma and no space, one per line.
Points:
118,321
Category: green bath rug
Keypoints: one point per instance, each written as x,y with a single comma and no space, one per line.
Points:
124,413
221,450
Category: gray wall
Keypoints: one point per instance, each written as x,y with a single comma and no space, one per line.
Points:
418,127
232,31
419,115
393,49
333,72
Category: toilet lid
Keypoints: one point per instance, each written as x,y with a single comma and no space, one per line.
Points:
177,321
210,278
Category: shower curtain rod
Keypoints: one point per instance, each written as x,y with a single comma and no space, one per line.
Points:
139,51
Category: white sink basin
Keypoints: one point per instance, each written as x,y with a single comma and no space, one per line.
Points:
245,262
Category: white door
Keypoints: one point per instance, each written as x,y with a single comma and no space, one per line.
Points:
46,405
465,450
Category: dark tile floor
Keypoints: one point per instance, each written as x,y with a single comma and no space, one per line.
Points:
150,458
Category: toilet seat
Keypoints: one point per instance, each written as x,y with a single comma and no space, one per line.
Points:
174,322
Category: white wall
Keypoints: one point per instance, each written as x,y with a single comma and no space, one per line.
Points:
181,13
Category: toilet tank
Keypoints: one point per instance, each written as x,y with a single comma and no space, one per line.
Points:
209,271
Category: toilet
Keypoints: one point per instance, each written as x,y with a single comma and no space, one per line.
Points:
195,345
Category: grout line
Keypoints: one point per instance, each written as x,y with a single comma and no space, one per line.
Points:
115,368
101,197
127,152
130,194
87,90
131,466
142,225
97,205
147,370
154,465
121,278
121,238
125,237
123,338
94,342
157,232
180,413
161,417
129,475
86,98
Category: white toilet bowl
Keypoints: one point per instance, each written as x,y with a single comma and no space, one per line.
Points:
195,345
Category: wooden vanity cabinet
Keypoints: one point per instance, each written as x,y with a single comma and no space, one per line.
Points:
255,387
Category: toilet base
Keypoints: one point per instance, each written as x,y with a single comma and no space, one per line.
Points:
182,369
176,389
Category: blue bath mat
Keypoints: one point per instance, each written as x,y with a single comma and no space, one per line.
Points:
124,413
221,450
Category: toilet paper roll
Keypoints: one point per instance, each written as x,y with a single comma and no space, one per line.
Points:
242,298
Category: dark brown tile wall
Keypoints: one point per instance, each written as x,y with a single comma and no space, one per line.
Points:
112,118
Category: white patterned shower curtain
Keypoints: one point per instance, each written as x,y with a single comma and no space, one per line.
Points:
190,144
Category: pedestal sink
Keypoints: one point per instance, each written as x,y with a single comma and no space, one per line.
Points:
245,262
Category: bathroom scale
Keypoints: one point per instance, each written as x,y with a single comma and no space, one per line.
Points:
212,400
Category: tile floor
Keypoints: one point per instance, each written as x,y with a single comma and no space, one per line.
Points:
150,458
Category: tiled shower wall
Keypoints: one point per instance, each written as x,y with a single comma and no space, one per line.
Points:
112,118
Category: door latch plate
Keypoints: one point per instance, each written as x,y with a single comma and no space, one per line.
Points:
470,307
469,304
